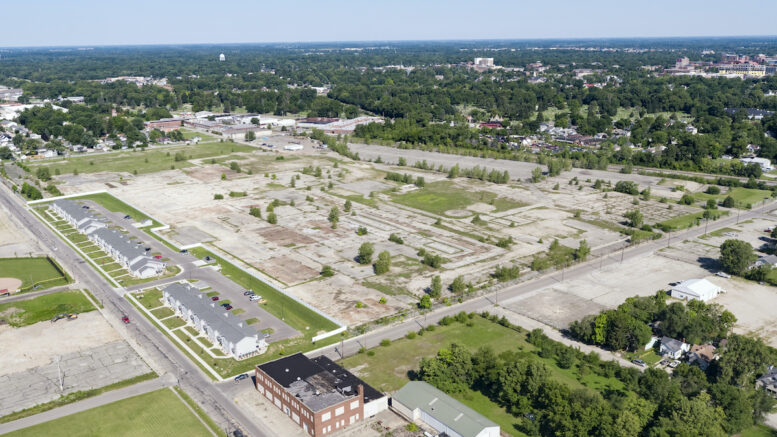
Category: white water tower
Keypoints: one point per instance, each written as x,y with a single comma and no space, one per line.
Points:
222,58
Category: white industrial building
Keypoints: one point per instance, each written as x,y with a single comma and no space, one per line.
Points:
698,289
764,163
229,332
418,400
293,147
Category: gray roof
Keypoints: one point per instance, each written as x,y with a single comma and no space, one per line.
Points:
450,412
74,210
768,259
128,248
215,316
769,378
672,344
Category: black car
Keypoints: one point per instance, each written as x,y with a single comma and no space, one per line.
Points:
225,305
127,217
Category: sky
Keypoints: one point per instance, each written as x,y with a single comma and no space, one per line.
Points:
110,22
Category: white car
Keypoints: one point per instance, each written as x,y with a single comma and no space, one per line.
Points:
674,363
254,298
723,275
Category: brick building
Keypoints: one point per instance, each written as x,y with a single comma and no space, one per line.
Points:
317,394
164,125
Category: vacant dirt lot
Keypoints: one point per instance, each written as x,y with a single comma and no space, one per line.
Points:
14,241
37,344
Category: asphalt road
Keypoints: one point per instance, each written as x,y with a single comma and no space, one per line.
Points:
164,357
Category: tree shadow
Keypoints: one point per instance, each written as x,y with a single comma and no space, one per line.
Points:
712,265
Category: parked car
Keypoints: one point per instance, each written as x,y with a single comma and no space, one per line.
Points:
723,275
85,206
255,298
157,256
248,292
674,363
184,251
214,298
639,362
127,216
225,304
126,320
228,307
241,377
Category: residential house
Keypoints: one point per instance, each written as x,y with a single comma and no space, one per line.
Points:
768,260
673,348
768,381
317,394
702,355
78,217
229,332
130,254
418,400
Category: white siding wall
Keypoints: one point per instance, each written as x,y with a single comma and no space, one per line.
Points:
374,407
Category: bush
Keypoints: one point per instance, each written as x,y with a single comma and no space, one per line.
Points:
218,196
385,342
366,251
272,218
687,199
410,335
394,238
713,189
327,272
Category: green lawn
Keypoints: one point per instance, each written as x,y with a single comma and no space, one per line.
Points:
151,298
144,162
742,196
161,313
159,413
758,431
42,308
33,271
483,405
688,220
438,197
113,204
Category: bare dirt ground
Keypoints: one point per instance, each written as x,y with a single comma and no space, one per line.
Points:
14,241
10,284
44,340
753,305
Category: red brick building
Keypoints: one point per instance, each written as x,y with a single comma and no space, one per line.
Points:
165,124
317,394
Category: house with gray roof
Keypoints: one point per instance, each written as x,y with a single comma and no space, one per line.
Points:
673,348
418,400
77,216
222,328
768,381
130,254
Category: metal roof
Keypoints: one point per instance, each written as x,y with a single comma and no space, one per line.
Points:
450,412
219,319
132,250
74,210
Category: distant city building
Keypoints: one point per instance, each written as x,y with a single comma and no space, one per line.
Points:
484,62
10,94
222,58
164,125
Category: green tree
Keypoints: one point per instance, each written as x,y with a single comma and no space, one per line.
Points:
255,211
366,251
425,302
583,250
458,286
327,272
250,136
272,218
435,290
728,202
334,216
347,206
736,256
383,264
635,218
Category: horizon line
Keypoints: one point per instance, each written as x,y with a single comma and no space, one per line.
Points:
601,38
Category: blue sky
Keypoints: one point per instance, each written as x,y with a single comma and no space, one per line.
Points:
106,22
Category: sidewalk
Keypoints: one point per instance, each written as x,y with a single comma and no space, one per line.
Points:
87,404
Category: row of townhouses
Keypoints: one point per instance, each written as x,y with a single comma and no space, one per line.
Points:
130,254
229,332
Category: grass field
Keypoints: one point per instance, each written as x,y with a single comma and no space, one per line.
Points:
159,413
742,196
438,197
758,431
42,308
688,220
148,161
33,271
387,369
